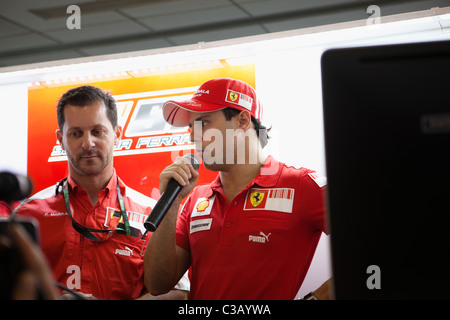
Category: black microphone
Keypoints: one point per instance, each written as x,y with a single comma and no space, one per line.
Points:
167,198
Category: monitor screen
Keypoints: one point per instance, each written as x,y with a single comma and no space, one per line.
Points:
387,145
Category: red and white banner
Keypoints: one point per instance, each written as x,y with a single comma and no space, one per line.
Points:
148,144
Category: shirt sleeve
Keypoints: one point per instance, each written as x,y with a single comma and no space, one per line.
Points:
313,191
182,232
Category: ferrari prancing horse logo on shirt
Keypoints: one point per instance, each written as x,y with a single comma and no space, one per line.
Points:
256,198
270,199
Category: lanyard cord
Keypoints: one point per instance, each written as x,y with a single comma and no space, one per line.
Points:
87,232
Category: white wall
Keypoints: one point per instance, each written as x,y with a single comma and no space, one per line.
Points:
289,87
13,128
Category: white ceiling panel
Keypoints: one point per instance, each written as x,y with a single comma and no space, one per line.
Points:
203,16
23,41
228,33
127,47
8,29
269,7
98,31
35,31
173,7
47,56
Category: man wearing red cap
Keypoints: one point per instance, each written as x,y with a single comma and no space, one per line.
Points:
252,232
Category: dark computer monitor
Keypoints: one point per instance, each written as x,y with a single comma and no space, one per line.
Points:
387,145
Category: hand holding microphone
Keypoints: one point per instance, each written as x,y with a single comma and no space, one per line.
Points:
181,176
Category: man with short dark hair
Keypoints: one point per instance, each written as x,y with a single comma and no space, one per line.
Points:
252,232
91,223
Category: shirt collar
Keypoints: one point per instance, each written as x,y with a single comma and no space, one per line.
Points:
110,186
269,173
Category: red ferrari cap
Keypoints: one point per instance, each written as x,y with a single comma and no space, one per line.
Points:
213,95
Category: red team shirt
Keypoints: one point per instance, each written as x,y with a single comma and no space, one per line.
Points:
261,244
111,269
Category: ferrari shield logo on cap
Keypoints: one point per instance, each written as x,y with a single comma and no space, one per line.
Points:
256,198
239,99
233,96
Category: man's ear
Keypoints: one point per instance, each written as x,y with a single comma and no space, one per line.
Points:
59,137
245,120
118,131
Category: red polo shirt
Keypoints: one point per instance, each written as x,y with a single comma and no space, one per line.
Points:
111,269
258,246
